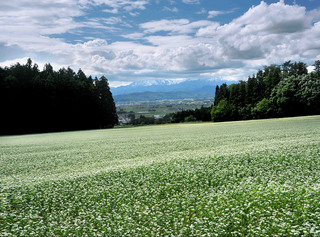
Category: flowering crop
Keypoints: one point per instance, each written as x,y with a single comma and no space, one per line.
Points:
251,178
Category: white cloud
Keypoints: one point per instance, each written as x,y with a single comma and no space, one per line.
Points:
118,83
208,31
315,14
133,36
115,6
266,31
174,9
231,74
177,26
168,48
112,20
191,1
164,25
264,34
212,14
12,62
43,17
202,11
113,10
310,68
97,43
134,14
171,41
99,23
24,60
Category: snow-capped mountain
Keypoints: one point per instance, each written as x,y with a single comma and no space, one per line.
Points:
167,89
163,82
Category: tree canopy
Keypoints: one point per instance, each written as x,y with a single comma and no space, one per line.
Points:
35,101
276,91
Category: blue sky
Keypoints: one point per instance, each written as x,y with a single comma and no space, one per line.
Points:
130,40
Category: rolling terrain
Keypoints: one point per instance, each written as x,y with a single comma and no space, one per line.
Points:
256,178
154,90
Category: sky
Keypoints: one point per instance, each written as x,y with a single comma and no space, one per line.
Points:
131,40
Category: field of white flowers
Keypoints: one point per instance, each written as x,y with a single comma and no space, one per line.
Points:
234,178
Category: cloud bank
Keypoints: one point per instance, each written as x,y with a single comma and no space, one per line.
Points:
171,48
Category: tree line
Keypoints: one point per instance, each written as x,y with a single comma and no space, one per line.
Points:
276,91
202,114
34,101
199,114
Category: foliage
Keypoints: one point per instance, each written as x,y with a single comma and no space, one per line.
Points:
285,96
144,120
260,178
262,110
222,111
317,68
275,91
41,101
202,114
190,118
309,93
297,95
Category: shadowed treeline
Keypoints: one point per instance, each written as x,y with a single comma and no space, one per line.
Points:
276,91
35,101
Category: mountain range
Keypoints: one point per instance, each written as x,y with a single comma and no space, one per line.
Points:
166,89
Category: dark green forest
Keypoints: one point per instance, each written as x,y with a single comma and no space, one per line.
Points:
202,114
35,101
276,91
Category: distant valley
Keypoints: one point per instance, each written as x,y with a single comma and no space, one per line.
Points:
166,90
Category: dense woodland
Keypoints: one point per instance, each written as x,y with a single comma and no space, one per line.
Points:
202,114
44,101
276,91
35,101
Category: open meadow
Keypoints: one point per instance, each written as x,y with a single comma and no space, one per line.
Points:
256,178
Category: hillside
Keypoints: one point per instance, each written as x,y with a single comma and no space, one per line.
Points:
206,93
166,90
255,178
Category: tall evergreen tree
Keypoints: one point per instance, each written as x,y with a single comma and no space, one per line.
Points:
43,101
275,91
108,116
317,68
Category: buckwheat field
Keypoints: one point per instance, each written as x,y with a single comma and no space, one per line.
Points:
205,179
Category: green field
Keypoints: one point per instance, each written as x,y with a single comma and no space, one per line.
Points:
233,178
160,108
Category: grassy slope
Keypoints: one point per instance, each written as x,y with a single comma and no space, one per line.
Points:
250,177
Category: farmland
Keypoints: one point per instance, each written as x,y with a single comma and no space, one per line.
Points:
257,177
159,108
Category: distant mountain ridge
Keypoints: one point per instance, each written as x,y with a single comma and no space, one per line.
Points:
151,90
